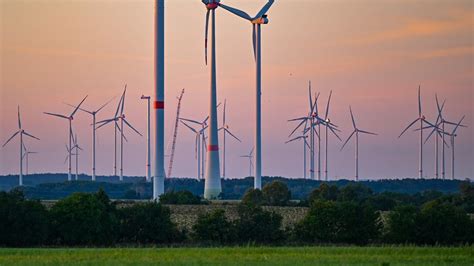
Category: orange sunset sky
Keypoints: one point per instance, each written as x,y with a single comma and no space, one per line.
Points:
372,54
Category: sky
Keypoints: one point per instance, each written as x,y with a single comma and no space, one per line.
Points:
372,54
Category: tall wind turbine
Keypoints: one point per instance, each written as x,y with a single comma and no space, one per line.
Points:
120,117
148,145
198,146
328,121
356,133
225,130
305,145
22,132
93,113
421,118
212,186
77,148
256,21
159,100
26,156
250,157
69,118
453,135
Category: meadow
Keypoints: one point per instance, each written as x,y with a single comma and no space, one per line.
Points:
387,255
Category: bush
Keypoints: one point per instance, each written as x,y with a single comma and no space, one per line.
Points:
214,227
84,219
324,192
339,222
22,222
256,225
180,197
147,223
253,197
443,223
276,193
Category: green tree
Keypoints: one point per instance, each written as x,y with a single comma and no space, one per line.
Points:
22,222
401,224
320,224
183,197
147,223
257,225
85,219
253,197
324,192
355,192
276,193
214,227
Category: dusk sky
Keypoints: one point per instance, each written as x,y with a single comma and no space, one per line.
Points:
372,54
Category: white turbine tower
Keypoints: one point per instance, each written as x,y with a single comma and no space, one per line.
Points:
356,132
257,21
120,116
305,145
26,156
250,157
22,132
93,113
421,118
77,148
69,118
328,122
148,144
159,103
225,130
453,135
212,186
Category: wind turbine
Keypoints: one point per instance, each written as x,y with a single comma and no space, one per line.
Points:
453,135
356,132
250,157
148,145
120,116
305,145
256,21
93,113
421,118
26,155
22,132
69,118
198,146
328,121
225,131
212,186
77,147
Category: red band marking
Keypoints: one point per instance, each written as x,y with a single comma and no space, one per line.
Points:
212,147
159,105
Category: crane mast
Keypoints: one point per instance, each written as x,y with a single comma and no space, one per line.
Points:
175,134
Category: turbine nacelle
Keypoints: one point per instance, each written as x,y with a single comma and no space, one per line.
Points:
260,20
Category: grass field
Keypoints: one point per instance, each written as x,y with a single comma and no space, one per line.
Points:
241,256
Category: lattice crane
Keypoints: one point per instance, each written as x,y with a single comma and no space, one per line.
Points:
175,134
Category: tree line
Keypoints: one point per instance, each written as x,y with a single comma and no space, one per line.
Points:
347,215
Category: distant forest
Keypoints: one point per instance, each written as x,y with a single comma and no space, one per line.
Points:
55,186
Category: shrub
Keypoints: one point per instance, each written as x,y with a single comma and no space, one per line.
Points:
84,219
256,225
401,224
276,193
23,222
214,227
253,197
324,192
180,197
147,223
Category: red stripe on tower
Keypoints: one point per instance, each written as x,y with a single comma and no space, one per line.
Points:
159,105
212,147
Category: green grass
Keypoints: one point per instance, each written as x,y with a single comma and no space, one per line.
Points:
241,256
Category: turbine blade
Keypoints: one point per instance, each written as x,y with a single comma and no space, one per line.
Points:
236,12
205,36
327,106
411,124
118,106
264,9
419,100
296,128
251,151
105,123
84,110
254,41
123,99
230,133
29,135
311,107
457,125
77,107
335,134
352,117
431,133
58,115
128,124
293,139
192,129
104,105
16,133
367,132
19,120
297,119
347,140
223,115
190,120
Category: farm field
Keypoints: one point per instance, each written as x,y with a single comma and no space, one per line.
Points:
241,256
